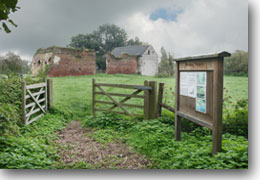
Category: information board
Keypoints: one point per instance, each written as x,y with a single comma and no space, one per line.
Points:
193,84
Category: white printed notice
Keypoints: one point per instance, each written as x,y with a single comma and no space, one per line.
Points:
193,84
188,84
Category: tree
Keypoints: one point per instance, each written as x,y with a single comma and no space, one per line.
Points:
166,66
104,39
237,64
82,41
6,7
135,41
110,36
12,63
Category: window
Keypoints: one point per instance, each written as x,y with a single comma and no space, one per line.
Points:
148,52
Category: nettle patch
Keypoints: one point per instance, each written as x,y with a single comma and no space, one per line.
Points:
155,139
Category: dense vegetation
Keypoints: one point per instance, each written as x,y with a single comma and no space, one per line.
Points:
154,138
34,146
237,64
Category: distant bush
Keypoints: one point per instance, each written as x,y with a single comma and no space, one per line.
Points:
237,64
166,66
236,120
12,63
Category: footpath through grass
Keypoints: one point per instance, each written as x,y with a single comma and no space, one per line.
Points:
154,138
35,147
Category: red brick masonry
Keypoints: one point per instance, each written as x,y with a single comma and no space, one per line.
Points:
64,61
73,66
124,65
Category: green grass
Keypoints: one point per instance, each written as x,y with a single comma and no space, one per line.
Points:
75,92
237,87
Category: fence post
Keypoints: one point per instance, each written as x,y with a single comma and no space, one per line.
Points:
50,93
94,97
46,95
23,102
146,101
160,98
152,100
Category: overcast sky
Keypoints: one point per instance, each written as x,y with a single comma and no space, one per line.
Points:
183,27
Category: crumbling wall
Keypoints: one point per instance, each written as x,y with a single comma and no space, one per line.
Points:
64,61
124,65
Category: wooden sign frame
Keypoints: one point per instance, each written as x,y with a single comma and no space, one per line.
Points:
185,106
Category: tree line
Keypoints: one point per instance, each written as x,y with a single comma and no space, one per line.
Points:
236,64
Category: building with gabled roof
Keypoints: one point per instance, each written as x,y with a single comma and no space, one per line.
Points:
138,59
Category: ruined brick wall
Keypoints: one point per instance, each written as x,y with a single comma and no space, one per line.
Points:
64,61
124,65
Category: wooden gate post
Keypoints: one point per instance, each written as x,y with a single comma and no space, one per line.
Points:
146,101
46,96
50,92
94,97
23,101
152,100
160,98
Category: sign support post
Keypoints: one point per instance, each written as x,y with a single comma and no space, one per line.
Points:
199,94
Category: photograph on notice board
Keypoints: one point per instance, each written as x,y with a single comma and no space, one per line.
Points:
201,78
201,105
201,92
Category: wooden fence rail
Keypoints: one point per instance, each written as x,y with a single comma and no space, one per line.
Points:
36,100
149,98
160,101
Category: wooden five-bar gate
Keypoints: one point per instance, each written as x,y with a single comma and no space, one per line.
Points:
149,98
36,99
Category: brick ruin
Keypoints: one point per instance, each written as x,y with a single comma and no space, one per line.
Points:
126,64
64,61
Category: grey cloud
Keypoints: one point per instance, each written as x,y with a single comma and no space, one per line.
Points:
43,23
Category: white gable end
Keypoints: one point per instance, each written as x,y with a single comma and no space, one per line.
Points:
148,62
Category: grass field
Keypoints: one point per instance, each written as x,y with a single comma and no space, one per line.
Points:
75,92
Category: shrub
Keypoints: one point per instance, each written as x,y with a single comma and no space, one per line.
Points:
24,153
11,103
236,120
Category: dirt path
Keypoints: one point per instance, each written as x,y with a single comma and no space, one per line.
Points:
75,145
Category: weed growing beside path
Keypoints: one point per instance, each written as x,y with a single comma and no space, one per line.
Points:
35,147
155,139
